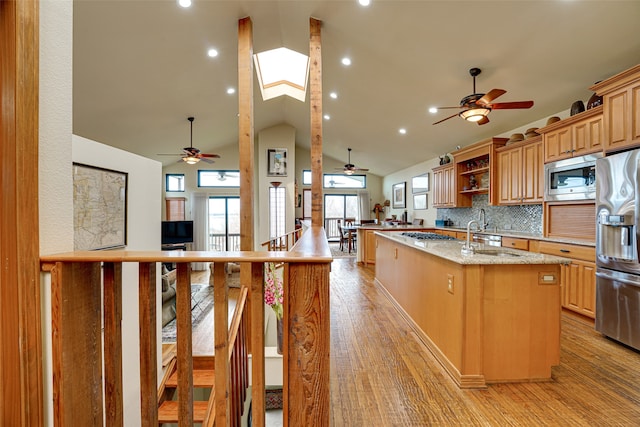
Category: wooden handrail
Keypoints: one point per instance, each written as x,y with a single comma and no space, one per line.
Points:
284,242
77,342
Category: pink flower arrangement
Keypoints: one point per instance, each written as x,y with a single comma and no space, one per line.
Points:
273,292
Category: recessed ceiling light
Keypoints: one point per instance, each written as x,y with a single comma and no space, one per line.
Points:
184,3
402,131
212,53
333,95
231,91
346,61
433,110
327,117
364,2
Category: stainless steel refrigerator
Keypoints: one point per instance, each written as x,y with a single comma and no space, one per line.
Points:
618,269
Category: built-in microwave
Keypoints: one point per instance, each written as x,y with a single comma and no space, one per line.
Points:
571,179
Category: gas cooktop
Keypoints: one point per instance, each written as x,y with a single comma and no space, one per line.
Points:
427,236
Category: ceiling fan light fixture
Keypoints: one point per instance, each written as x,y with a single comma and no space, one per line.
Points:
475,114
190,160
348,172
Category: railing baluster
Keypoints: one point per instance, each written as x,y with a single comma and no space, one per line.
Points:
112,309
221,341
184,354
148,343
257,345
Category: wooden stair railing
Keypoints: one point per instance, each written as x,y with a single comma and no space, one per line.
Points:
284,242
87,361
204,376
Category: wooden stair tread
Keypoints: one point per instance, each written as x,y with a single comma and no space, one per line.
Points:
168,411
201,378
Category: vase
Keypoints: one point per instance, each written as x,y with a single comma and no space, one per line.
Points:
279,335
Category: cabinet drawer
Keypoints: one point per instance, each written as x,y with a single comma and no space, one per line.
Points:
512,242
585,253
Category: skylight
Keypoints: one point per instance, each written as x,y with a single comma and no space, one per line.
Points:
282,72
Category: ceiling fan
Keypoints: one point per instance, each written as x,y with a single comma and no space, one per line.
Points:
192,155
349,168
477,106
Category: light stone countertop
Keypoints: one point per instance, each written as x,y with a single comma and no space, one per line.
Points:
451,250
523,235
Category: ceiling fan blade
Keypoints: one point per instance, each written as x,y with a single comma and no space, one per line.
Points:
511,105
448,108
490,96
206,160
483,121
215,156
450,117
361,169
167,154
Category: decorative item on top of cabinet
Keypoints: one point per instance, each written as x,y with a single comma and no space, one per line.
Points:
476,171
621,115
521,172
577,135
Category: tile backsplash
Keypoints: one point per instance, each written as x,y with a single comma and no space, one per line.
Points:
523,218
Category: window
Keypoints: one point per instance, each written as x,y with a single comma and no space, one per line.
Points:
306,177
345,181
276,211
306,204
174,182
219,178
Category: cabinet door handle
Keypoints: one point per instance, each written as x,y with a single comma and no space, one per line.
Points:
565,251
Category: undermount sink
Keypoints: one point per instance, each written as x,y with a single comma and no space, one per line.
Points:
495,252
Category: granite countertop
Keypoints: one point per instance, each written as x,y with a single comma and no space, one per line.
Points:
524,235
451,250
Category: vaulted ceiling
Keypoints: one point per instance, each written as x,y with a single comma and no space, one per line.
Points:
141,68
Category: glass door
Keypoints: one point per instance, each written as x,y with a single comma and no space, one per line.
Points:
338,207
224,223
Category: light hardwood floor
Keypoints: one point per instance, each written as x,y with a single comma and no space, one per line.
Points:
382,375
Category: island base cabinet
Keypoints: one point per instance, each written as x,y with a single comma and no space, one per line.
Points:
484,323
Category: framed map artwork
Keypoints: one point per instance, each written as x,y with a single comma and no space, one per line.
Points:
99,208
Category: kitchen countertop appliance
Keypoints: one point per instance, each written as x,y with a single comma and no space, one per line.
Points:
618,269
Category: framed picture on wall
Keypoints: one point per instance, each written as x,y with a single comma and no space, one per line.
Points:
399,195
99,208
277,162
420,183
420,201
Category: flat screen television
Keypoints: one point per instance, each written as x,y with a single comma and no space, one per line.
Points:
176,232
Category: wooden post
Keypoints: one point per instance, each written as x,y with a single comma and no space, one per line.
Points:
315,98
148,344
221,341
76,344
21,358
306,340
257,345
185,346
112,313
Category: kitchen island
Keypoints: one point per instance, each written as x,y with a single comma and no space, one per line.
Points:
488,317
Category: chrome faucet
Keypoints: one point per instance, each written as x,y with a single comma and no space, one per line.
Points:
467,249
482,220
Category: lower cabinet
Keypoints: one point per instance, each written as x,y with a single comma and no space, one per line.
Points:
578,278
369,247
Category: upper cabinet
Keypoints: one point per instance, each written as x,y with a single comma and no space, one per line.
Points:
577,135
520,172
476,171
444,186
621,114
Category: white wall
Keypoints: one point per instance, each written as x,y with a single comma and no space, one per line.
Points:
279,136
58,150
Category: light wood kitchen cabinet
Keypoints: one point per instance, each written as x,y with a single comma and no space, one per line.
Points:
578,279
521,173
515,243
370,247
476,171
621,114
577,135
444,186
